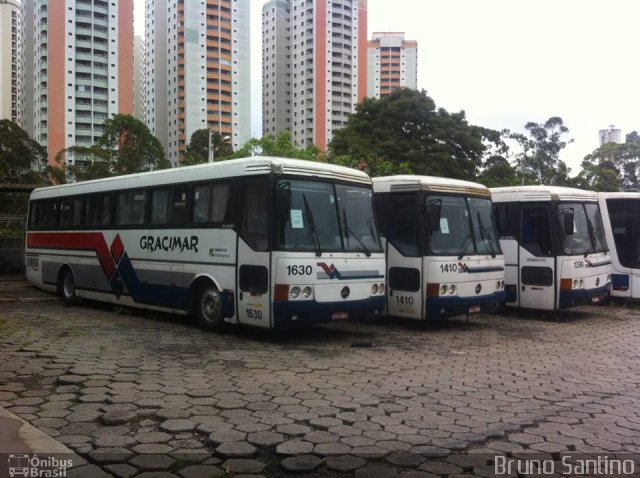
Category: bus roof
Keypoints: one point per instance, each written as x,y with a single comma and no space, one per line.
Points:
256,165
541,193
620,195
407,182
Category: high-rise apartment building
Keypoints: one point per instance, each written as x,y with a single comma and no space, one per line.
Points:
197,71
11,43
314,66
82,68
392,63
138,77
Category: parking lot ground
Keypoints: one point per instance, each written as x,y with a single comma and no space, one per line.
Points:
140,394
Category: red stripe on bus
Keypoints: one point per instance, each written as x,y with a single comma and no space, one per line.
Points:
92,241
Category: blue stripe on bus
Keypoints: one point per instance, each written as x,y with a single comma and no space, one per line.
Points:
442,307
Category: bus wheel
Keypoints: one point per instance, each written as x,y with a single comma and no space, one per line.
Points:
67,286
209,308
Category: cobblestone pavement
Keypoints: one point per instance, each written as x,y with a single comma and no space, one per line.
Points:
155,396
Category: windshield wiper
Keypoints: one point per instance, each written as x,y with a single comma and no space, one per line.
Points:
348,231
467,240
312,225
482,235
595,238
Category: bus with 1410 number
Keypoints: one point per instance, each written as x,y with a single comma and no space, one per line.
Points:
443,254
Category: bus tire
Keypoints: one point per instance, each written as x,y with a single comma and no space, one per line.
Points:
208,308
67,286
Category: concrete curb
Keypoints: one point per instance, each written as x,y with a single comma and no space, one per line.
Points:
19,437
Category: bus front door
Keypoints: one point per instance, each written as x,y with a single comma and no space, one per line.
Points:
404,259
536,260
254,304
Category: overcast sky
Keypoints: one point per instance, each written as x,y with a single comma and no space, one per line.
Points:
508,62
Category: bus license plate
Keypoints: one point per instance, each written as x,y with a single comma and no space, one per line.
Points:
340,315
474,309
595,300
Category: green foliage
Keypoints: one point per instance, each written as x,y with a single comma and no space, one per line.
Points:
125,147
22,159
539,162
613,167
279,145
497,172
197,151
405,132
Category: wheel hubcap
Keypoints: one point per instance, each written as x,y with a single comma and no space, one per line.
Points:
211,304
69,286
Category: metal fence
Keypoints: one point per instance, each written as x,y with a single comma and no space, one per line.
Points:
12,236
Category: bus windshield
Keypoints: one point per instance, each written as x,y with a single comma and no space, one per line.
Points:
465,227
588,232
324,217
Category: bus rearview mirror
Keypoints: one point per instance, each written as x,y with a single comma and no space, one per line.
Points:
283,201
435,212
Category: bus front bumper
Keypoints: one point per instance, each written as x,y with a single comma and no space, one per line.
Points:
573,298
295,313
443,307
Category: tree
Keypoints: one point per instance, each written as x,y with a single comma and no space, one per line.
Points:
279,145
497,172
130,147
539,162
22,159
197,151
125,147
613,166
404,130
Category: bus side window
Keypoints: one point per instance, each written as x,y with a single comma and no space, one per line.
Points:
255,215
403,224
130,207
66,212
536,235
33,214
210,202
48,214
77,212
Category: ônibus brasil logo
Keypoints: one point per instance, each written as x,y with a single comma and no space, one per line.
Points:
38,467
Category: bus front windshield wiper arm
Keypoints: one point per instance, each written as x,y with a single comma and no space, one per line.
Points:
484,236
348,232
312,225
467,240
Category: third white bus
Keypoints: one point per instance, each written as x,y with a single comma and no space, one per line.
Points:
443,254
556,253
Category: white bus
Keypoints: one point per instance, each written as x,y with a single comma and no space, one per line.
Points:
262,241
621,217
443,254
556,254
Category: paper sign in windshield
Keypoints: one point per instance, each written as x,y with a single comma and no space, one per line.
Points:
444,225
296,219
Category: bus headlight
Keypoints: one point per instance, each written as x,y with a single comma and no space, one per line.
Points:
443,289
374,289
381,288
295,292
608,277
306,292
452,289
498,285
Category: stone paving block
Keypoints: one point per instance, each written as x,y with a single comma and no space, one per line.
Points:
239,449
301,463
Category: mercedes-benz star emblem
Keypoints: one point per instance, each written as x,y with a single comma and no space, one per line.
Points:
478,288
344,293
